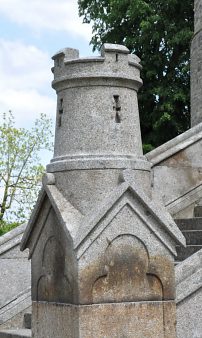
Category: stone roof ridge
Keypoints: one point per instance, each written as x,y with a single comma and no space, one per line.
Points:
68,216
11,238
89,229
175,145
32,220
188,276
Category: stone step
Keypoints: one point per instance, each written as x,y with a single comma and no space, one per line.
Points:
183,253
198,211
27,321
193,237
18,333
189,223
192,231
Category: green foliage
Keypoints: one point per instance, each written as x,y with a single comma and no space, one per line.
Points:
6,227
159,32
20,168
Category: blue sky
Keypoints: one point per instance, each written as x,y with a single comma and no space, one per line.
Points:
31,31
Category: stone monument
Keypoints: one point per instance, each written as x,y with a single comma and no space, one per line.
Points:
101,247
102,250
196,66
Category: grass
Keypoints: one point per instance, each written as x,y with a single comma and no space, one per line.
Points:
6,227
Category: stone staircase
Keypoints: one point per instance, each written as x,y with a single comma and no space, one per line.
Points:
188,276
15,281
24,332
11,313
192,231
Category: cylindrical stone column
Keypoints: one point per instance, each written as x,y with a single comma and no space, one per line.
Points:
97,132
196,66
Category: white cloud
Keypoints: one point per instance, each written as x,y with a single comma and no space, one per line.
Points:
25,81
57,15
23,66
26,105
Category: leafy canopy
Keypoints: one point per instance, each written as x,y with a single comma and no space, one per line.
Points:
159,32
20,168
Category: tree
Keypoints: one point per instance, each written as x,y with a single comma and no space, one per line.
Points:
20,168
159,32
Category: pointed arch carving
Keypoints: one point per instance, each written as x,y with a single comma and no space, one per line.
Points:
54,285
126,277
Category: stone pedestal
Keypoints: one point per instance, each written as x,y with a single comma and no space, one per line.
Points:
131,320
102,250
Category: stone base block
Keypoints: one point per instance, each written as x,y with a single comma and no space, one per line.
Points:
53,320
120,320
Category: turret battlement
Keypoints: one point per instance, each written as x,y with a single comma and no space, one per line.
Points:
115,62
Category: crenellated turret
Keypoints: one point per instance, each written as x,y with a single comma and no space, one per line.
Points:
97,124
97,109
102,250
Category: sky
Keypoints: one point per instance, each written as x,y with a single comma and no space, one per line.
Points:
31,32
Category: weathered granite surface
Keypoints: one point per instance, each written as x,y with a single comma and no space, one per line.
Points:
189,297
177,172
171,150
12,313
125,206
15,279
131,320
99,244
97,124
97,100
21,333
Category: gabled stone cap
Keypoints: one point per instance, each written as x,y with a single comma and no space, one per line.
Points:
188,276
77,227
175,145
166,228
67,215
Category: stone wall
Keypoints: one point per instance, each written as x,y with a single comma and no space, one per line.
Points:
15,279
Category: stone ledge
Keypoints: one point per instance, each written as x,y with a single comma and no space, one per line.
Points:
22,333
97,162
188,267
21,302
11,238
175,145
188,276
184,200
189,286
